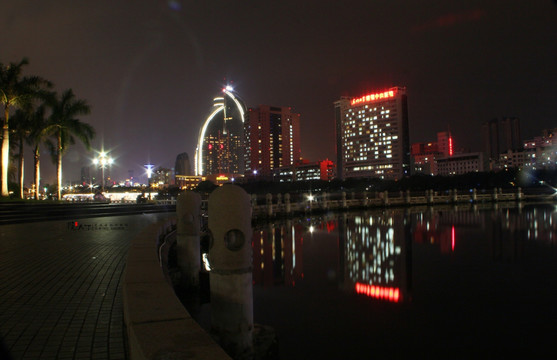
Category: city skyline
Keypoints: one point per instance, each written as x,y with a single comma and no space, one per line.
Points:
149,70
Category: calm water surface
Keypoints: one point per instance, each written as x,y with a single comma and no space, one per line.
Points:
444,282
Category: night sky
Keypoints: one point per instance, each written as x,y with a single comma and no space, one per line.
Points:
150,68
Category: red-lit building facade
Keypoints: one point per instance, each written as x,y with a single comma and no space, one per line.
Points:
272,140
424,155
372,135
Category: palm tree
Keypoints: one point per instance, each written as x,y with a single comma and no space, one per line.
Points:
20,133
38,135
15,92
64,125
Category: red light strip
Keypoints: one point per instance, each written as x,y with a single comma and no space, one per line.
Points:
373,97
379,292
452,238
450,146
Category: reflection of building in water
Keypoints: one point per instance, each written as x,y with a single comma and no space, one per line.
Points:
277,254
439,227
510,229
374,255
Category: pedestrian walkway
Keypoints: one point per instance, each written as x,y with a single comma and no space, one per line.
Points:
60,294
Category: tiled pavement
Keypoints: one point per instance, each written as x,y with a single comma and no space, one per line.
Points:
60,295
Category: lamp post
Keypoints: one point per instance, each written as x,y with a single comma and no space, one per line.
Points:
103,160
149,168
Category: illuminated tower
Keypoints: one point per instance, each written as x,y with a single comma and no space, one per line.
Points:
272,138
372,135
220,145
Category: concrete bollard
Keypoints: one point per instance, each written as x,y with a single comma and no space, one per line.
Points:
188,209
287,206
344,205
385,198
454,196
365,199
408,198
230,257
253,201
495,194
429,196
269,204
474,195
279,202
519,194
325,199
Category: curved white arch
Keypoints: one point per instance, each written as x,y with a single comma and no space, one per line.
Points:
240,108
199,150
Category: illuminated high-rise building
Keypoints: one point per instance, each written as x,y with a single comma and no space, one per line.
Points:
372,135
272,138
220,147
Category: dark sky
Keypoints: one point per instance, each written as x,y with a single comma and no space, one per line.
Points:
150,68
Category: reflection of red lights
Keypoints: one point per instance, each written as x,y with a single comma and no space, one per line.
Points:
452,238
379,292
373,97
210,146
330,225
221,146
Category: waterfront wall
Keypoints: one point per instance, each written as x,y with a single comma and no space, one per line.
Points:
157,324
281,205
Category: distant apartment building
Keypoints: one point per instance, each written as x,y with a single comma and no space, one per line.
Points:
500,136
272,140
424,155
537,153
305,170
459,164
372,135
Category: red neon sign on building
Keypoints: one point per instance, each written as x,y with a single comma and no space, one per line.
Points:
450,146
375,96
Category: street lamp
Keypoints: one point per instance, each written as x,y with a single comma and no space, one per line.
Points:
103,161
149,168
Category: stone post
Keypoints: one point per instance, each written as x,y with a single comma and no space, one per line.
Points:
230,257
408,198
365,200
188,209
495,193
343,196
429,196
519,194
474,195
454,196
269,204
385,198
279,202
287,205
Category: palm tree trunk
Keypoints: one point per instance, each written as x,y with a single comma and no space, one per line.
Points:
5,151
37,162
59,165
21,169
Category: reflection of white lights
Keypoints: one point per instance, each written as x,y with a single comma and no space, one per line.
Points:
206,264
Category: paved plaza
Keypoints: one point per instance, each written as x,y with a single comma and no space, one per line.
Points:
60,294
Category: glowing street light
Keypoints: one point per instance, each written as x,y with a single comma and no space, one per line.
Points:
149,168
103,161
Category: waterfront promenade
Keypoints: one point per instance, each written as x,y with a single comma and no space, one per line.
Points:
60,293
